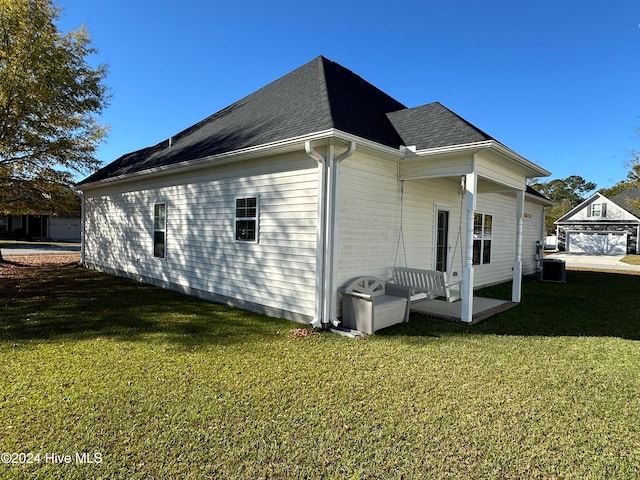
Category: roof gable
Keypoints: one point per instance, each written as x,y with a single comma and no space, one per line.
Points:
581,213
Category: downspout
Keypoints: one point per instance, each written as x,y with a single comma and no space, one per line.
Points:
332,224
325,305
320,233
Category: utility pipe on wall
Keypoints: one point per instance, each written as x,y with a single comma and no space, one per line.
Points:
326,293
320,233
333,226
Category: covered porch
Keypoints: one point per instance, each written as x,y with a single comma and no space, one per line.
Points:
479,169
482,308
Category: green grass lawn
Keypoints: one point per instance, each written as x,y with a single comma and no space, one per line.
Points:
631,259
154,384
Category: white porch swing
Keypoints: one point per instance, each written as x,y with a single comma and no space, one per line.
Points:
426,283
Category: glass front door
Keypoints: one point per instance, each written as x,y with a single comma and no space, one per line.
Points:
442,240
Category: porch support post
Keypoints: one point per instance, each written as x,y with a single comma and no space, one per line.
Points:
471,193
516,289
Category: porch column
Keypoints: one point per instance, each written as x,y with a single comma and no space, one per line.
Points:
516,289
470,195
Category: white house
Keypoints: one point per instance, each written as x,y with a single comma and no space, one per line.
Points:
601,226
275,202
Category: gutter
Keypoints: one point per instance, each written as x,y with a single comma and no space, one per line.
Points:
290,144
320,233
326,293
478,146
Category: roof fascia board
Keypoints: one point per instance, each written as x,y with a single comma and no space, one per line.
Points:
541,172
243,154
599,222
485,145
461,148
363,142
212,160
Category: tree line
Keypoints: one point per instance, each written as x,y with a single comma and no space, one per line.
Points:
567,193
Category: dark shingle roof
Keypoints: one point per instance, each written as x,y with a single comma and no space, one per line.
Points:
434,125
623,200
532,191
317,96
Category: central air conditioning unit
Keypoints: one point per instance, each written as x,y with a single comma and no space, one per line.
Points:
553,270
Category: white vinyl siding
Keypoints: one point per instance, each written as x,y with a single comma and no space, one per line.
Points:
369,224
278,272
368,216
496,171
533,230
369,219
502,208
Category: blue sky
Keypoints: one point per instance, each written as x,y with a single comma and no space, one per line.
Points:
555,81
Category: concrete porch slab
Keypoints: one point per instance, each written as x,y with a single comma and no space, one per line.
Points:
483,308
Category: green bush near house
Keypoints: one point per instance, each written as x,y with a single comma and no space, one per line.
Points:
131,382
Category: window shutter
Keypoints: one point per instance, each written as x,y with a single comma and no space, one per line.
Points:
589,210
604,210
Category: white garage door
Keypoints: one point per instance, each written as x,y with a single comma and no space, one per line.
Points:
598,243
65,228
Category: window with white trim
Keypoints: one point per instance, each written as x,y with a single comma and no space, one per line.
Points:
598,210
246,219
160,230
482,233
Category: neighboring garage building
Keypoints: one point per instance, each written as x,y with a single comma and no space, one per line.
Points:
44,226
601,226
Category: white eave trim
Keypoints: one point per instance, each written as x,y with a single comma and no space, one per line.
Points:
281,146
463,147
485,145
236,155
